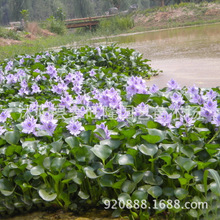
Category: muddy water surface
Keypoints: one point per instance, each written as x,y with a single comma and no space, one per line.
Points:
190,55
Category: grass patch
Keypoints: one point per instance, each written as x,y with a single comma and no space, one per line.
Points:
9,34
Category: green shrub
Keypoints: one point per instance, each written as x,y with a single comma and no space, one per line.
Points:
55,26
116,24
11,34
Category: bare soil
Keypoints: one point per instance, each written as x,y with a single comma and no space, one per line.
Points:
4,42
34,32
179,16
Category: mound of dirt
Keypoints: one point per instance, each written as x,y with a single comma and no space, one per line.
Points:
170,15
5,42
34,30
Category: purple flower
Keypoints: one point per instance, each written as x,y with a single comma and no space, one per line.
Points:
21,73
177,101
38,78
172,84
36,71
105,128
78,78
11,79
46,117
193,90
211,95
211,105
69,78
92,73
99,53
33,107
24,84
176,97
49,126
115,102
164,119
109,97
142,110
21,61
77,89
189,121
23,91
9,66
154,89
136,85
122,113
48,105
66,101
4,115
2,78
82,99
81,112
197,99
216,120
75,127
207,114
51,71
98,110
35,88
37,58
56,89
29,125
2,130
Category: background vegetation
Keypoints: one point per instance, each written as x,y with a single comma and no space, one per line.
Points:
10,9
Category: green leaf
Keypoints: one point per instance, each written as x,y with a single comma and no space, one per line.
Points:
149,150
128,186
180,193
126,159
107,180
102,151
83,195
90,173
151,179
166,157
113,144
168,191
139,195
76,176
117,185
157,132
155,191
139,98
47,196
128,133
215,187
72,141
56,146
12,137
37,170
137,176
185,163
57,163
152,139
188,151
124,197
6,187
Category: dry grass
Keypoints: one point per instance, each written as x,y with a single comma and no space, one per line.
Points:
34,30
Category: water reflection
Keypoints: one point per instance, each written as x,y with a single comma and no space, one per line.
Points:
201,41
189,55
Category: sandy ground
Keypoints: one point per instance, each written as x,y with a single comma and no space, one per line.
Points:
203,72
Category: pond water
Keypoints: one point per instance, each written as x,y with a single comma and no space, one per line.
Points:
190,55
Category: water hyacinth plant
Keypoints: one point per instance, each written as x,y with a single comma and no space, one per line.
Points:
81,127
